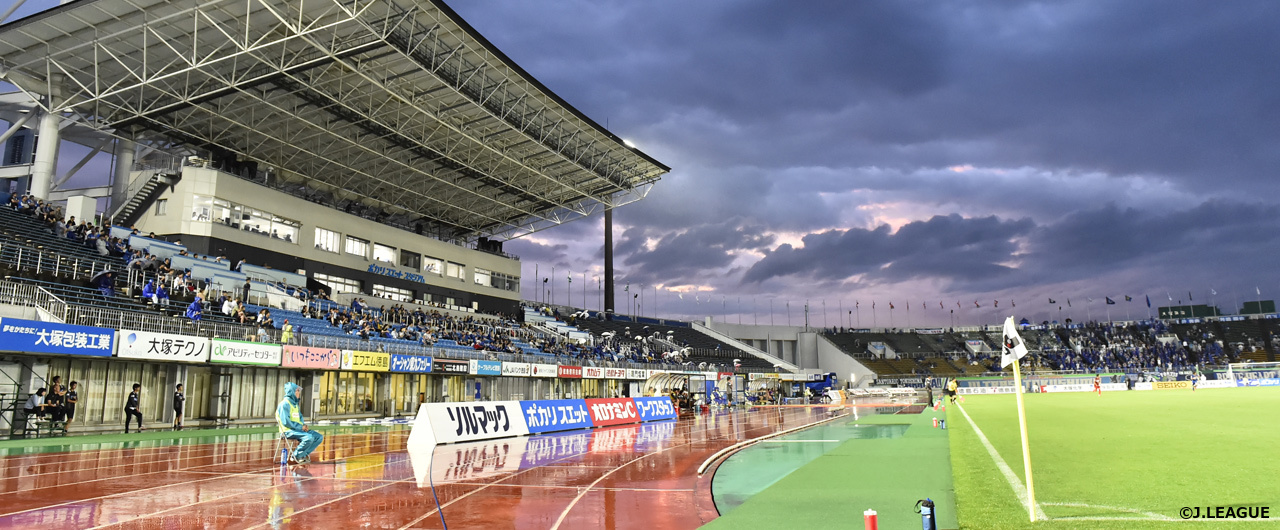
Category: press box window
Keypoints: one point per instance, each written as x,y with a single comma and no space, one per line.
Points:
394,293
357,247
410,260
339,284
384,253
433,265
455,270
328,240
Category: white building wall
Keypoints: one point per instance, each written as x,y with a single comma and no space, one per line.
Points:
208,182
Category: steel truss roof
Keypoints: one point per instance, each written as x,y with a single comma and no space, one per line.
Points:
396,103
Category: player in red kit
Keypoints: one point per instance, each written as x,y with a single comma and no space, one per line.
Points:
1097,384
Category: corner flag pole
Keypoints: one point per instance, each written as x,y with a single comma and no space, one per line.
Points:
1026,451
1015,349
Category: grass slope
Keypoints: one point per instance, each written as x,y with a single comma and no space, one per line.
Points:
1152,451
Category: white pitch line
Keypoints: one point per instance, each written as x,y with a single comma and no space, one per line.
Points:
799,441
1149,515
1014,482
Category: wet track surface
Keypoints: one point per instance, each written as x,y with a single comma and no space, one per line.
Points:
633,476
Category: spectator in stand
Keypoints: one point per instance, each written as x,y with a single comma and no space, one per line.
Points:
228,306
106,284
131,407
195,310
149,292
53,400
264,318
35,404
162,298
286,335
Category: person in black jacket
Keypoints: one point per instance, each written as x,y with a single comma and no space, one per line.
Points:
179,404
73,396
131,407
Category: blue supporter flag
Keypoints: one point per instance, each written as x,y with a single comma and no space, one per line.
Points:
1148,301
1110,301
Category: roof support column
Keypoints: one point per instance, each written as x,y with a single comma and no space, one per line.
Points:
49,137
120,175
608,259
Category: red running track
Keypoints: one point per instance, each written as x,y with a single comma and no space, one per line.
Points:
634,476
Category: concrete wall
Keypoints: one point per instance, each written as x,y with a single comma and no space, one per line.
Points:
778,341
848,369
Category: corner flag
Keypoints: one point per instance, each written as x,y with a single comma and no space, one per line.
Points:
1014,349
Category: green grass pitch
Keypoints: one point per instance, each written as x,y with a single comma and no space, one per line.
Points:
1121,460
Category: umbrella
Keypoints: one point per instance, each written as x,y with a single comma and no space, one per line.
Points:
97,277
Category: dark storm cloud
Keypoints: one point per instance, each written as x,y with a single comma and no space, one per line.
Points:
1213,233
1096,145
535,252
1135,87
945,246
686,257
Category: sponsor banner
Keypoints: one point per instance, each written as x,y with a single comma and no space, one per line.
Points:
464,422
410,364
985,390
612,411
516,369
1106,387
655,408
555,415
722,375
974,343
1258,382
615,373
915,381
569,372
545,370
929,331
33,336
304,357
449,366
240,352
365,361
479,367
637,373
1170,385
131,344
592,372
1215,383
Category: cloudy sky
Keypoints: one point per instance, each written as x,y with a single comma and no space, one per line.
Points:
917,153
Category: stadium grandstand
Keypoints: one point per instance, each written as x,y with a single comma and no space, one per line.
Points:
352,196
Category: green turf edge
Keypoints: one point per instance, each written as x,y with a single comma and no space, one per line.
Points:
833,490
986,501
